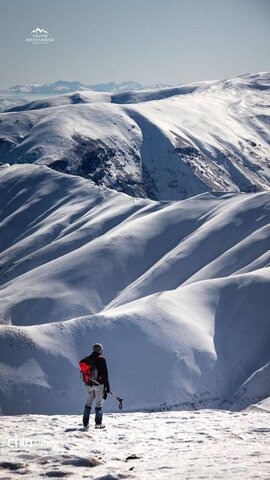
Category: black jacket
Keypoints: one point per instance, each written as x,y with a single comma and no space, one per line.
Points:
101,365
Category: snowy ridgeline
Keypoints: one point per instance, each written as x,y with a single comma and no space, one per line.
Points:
61,86
163,144
149,446
178,293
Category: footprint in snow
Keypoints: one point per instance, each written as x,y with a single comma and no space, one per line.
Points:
83,461
12,465
79,429
260,430
57,474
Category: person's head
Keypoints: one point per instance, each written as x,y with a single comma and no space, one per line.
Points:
97,347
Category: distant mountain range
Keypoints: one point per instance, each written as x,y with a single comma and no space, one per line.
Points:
164,144
56,88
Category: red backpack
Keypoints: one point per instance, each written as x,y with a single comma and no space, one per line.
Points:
89,372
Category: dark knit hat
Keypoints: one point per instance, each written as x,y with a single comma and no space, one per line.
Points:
97,347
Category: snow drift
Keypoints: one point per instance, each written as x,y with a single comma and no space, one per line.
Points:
176,291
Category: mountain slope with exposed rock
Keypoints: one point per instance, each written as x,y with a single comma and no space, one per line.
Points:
163,144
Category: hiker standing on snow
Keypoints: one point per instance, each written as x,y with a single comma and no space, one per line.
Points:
95,376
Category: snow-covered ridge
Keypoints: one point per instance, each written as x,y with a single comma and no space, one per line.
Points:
182,286
164,144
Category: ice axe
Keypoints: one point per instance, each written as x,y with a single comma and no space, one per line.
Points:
119,399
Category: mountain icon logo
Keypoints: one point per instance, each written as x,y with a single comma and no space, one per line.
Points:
39,36
39,30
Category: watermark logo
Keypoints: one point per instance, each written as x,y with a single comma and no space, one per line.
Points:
39,31
39,36
16,442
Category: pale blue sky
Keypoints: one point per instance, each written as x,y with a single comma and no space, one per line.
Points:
149,41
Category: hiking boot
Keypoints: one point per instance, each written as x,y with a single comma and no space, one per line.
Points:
86,415
85,421
98,416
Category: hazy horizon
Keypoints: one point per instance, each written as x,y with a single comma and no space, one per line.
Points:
147,41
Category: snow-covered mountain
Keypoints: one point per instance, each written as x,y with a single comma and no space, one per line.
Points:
165,144
21,94
178,292
61,86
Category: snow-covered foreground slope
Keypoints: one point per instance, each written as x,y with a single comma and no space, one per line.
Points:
157,446
164,144
178,292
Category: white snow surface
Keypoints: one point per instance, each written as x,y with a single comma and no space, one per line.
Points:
178,293
165,144
205,444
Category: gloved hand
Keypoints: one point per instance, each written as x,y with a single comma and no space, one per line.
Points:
105,393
